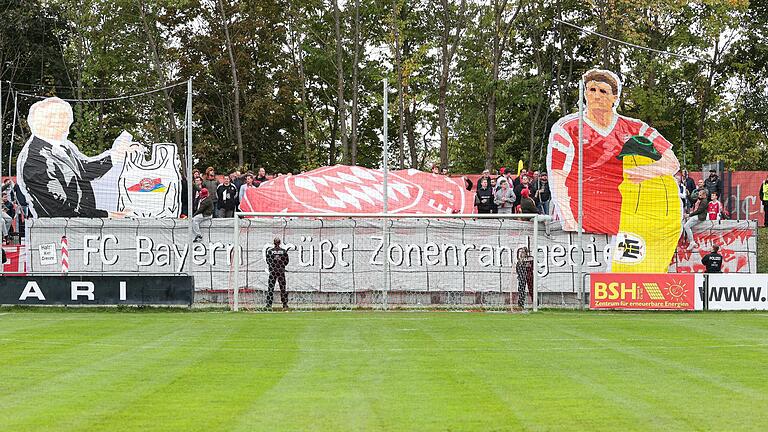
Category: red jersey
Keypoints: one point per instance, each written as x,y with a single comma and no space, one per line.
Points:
714,208
603,172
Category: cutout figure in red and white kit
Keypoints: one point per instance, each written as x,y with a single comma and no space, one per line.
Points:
604,135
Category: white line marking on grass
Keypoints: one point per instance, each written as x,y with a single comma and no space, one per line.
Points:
153,345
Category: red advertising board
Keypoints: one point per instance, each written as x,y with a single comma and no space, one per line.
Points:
657,291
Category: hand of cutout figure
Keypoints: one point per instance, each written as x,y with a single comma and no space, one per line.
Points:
124,147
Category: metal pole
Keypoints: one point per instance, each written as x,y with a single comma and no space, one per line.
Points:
190,183
580,145
738,202
534,288
13,130
384,222
236,263
190,210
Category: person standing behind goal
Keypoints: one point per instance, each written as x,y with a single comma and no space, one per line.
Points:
277,260
524,269
713,261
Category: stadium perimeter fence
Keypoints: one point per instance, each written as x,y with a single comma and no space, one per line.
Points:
451,262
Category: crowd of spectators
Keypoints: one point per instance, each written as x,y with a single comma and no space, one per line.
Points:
14,210
527,192
701,202
219,196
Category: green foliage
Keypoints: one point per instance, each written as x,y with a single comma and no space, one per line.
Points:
711,109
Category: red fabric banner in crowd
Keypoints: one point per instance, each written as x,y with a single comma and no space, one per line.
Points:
352,189
15,261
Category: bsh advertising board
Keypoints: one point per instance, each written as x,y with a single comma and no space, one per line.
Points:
722,292
96,290
643,291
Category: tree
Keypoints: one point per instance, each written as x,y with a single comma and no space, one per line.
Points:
342,107
503,18
161,75
452,29
235,83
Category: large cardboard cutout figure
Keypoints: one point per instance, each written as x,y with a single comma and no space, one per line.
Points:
628,186
59,181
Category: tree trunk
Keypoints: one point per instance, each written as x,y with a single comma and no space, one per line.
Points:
697,153
443,87
448,50
297,53
334,125
411,133
490,134
304,107
355,91
501,30
164,83
342,110
536,38
490,121
304,103
400,96
235,84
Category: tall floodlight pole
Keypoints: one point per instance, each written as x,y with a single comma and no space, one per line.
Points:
385,192
190,210
580,262
190,183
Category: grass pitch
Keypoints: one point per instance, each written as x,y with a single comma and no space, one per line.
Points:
334,371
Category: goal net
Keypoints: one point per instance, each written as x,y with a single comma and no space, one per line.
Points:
386,261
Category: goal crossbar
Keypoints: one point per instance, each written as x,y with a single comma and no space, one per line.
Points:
537,217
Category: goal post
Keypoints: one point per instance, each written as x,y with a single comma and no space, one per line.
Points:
386,260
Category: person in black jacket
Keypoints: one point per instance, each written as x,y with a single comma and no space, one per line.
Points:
277,260
713,261
484,196
261,178
524,268
524,183
227,195
486,175
494,207
197,186
543,194
713,183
